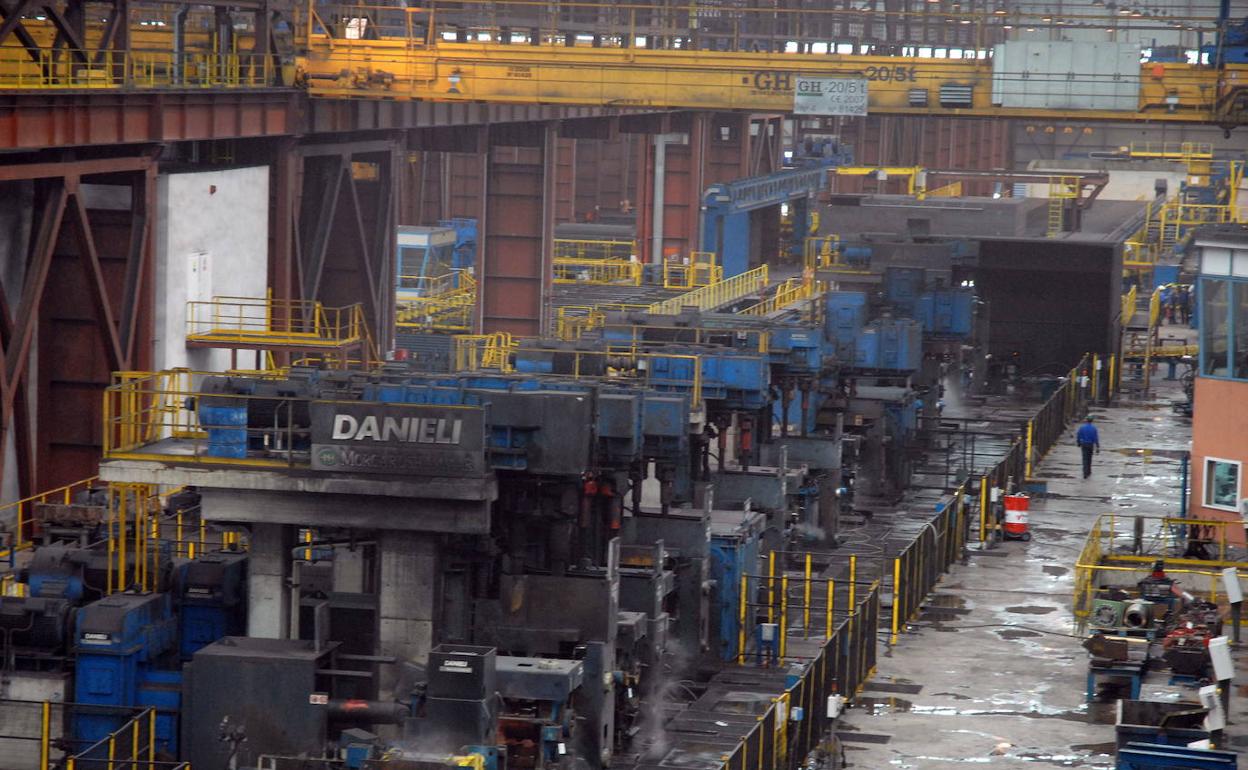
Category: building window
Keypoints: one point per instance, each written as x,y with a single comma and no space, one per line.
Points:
1214,327
1239,303
1222,484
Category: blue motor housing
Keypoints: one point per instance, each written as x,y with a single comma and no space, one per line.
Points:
946,312
120,641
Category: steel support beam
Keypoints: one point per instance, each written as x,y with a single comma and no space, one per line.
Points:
517,231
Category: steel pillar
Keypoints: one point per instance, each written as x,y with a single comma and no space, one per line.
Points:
81,257
714,147
344,221
517,229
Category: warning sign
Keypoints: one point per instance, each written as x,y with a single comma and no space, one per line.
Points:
830,96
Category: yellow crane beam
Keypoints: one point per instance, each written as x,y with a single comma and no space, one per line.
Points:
458,55
711,80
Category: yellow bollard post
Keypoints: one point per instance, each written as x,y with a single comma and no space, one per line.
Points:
1113,370
121,542
151,737
983,509
112,750
806,603
1031,427
896,599
831,589
771,587
45,729
134,745
784,613
741,621
1096,378
853,577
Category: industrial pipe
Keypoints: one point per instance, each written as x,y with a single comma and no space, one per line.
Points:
367,712
1136,615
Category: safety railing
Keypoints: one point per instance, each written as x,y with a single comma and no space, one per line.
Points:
791,291
435,286
475,352
582,249
155,416
822,252
1180,151
131,747
700,268
717,294
22,512
1128,305
600,272
1061,190
447,304
62,69
635,24
919,566
573,321
842,666
1079,387
36,735
625,337
1142,248
662,371
254,321
1119,551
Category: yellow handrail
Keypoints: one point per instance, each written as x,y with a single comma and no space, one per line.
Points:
21,510
257,321
1128,305
792,290
717,294
473,352
701,268
601,272
447,305
582,249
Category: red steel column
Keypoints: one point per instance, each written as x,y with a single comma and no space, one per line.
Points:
517,229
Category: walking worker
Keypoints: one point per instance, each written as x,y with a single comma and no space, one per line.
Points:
1185,305
1088,439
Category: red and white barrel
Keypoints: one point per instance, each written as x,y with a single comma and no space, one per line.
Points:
1016,507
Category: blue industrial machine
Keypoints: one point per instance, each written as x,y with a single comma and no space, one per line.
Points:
727,210
1231,47
465,251
734,553
210,598
125,649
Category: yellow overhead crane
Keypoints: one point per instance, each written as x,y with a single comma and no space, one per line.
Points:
633,56
411,57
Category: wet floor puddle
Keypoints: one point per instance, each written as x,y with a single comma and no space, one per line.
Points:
1016,633
1148,454
1054,571
1031,610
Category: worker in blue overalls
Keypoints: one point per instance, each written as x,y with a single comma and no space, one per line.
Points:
1088,439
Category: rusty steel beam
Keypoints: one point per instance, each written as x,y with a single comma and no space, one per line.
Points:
516,235
89,256
38,121
17,358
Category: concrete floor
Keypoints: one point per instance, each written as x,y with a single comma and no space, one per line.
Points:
990,675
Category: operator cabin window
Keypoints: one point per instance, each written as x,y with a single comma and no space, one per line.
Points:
1222,484
1223,312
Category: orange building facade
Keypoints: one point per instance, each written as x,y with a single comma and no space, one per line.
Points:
1220,417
